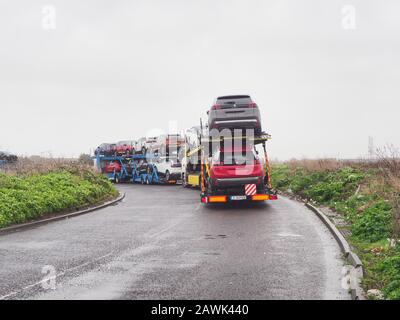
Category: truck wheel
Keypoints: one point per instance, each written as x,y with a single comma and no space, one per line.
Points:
209,188
167,175
184,183
266,182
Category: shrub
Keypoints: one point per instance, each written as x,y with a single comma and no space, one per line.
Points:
375,223
86,159
390,267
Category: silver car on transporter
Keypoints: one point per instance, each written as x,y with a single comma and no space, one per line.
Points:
238,111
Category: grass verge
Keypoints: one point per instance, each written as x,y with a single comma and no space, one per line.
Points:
366,196
66,187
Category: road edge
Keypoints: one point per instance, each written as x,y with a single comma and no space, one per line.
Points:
357,293
39,222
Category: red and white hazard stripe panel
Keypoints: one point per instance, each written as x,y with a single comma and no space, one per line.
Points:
250,189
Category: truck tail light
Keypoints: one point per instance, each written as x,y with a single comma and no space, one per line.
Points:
252,105
215,107
217,199
259,197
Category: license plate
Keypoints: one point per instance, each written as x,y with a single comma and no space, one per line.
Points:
238,197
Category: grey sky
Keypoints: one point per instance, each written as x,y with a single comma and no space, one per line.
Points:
113,70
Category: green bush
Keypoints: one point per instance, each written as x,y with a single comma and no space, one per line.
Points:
390,267
325,187
280,177
28,197
375,223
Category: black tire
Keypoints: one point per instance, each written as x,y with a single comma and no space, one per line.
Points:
184,183
266,182
116,179
167,175
209,188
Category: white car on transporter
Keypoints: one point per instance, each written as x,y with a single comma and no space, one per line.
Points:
143,145
168,168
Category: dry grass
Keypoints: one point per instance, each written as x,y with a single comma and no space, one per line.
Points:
389,158
386,181
316,165
35,165
389,164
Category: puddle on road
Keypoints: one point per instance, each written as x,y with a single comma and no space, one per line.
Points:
212,237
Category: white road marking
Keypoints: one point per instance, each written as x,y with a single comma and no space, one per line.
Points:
289,235
58,275
163,230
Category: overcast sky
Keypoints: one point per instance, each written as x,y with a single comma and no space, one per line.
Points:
104,71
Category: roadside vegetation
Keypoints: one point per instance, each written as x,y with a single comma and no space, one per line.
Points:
34,188
366,195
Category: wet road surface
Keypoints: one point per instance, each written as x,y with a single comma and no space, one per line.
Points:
161,243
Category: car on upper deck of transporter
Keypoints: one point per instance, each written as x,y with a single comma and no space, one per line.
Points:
143,145
126,147
105,149
167,144
234,112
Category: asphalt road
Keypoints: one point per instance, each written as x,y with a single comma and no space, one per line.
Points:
161,243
